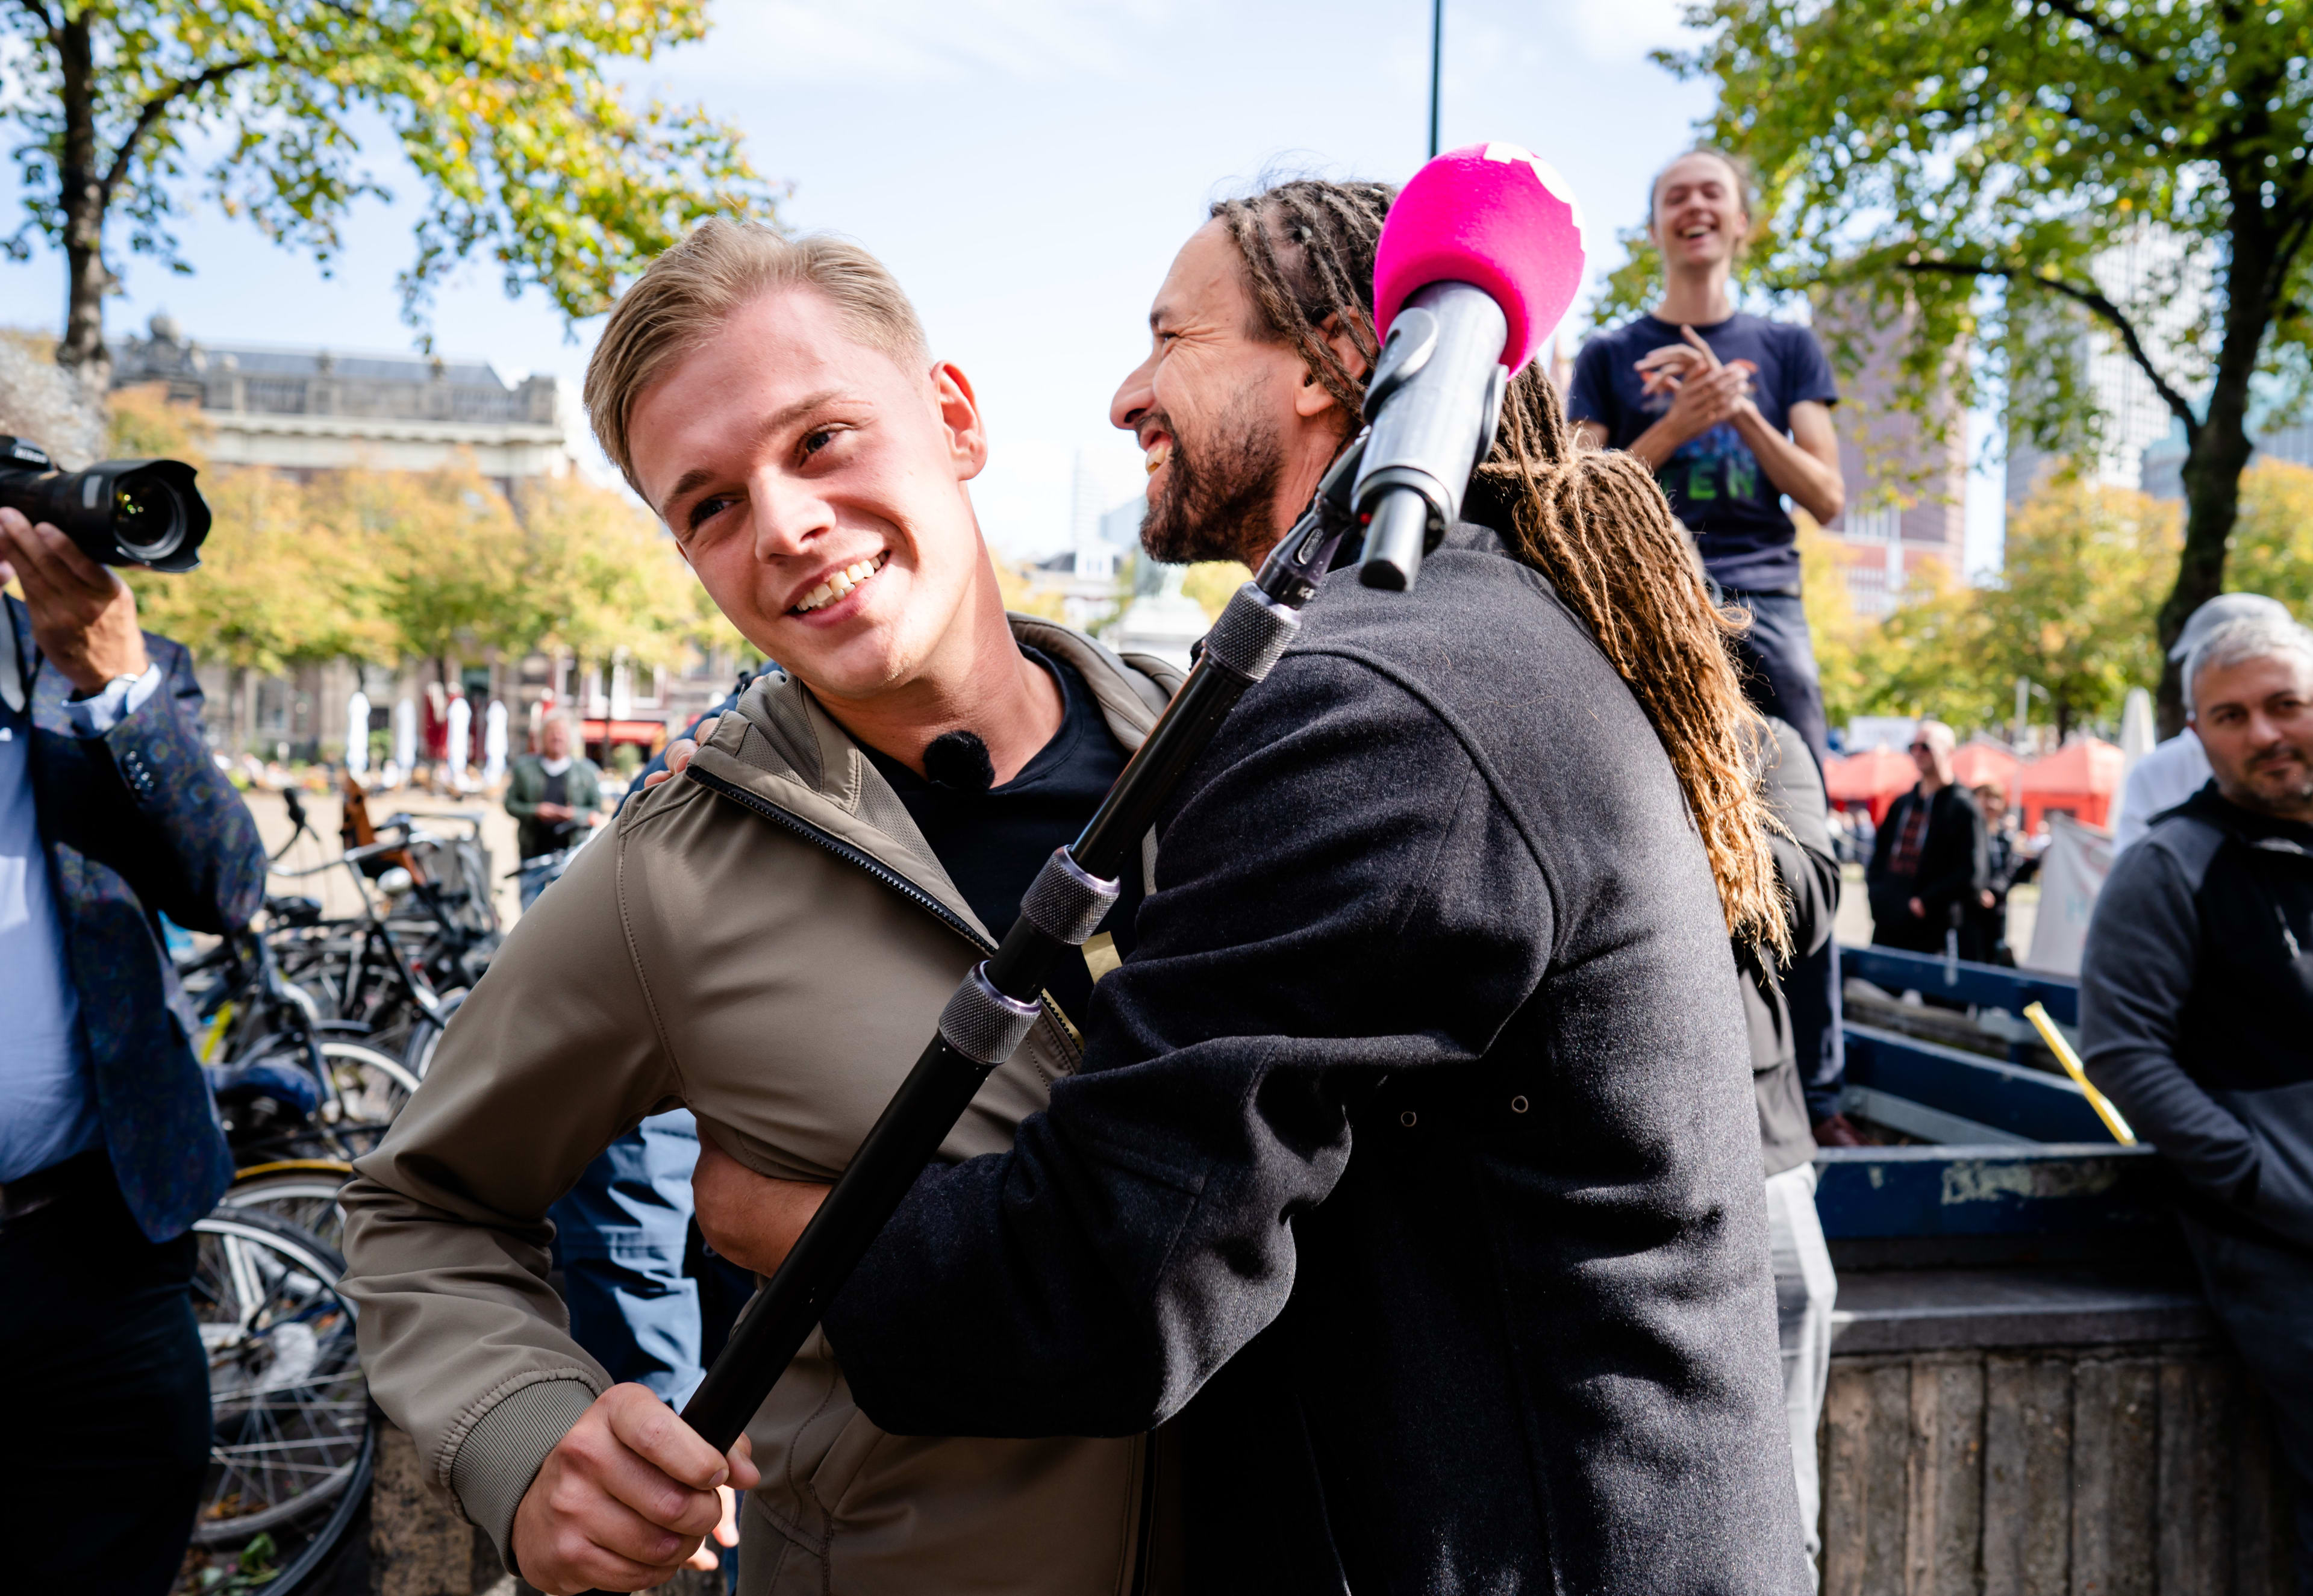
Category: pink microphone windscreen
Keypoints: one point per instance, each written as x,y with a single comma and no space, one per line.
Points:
1497,218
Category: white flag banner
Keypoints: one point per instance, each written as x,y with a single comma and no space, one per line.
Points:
2072,874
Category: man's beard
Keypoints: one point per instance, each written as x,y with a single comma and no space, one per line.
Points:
2287,797
1220,503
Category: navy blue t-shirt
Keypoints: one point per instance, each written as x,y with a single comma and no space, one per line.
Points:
1714,482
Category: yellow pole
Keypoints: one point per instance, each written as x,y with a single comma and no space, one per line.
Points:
2070,1060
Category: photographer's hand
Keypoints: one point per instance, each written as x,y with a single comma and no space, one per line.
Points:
83,616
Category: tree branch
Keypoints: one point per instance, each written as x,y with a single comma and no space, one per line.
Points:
2095,300
153,110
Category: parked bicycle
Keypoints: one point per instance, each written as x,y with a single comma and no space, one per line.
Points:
294,1436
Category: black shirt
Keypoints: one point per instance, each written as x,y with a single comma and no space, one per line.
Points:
992,844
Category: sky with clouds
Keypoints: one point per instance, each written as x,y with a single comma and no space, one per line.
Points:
1028,167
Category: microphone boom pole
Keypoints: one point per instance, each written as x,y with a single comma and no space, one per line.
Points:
1479,257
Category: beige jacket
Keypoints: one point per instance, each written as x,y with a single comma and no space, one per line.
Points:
769,944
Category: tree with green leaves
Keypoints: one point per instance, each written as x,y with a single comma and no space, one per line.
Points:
436,556
1978,167
531,154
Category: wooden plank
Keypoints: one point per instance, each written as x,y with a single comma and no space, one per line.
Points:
2194,1552
2115,1416
1866,1435
2260,1493
1944,1476
2028,1475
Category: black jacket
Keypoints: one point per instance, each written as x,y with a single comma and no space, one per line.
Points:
1953,867
2196,1008
1808,873
1414,1154
139,823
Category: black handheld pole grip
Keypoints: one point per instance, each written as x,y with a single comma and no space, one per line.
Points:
906,1136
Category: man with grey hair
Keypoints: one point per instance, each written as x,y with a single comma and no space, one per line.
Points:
1928,861
2196,1010
553,796
2177,769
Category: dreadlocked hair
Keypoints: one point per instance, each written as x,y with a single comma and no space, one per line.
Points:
1594,523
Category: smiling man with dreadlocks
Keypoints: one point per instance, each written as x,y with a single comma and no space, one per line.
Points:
1412,1174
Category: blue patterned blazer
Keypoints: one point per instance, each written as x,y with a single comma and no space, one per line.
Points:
140,822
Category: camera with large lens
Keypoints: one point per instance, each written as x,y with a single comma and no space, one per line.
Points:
120,511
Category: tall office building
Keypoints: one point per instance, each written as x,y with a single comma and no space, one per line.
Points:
1904,468
2160,283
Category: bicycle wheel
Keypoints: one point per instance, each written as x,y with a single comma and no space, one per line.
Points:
293,1443
370,1088
426,1035
299,1191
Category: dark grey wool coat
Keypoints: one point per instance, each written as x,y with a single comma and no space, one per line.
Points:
1414,1162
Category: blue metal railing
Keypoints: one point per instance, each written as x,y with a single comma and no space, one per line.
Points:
1986,985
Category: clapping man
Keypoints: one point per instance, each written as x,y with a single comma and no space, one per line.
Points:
1732,414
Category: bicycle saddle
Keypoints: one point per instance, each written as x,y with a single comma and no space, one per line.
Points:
293,911
286,1083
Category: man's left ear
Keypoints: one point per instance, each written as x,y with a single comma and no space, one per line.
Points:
958,410
1313,400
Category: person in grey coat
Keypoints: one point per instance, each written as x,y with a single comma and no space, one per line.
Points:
2196,1011
1805,1285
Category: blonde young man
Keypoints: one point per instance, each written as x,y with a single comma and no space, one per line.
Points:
767,943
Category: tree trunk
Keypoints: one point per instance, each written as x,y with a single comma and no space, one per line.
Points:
2220,445
80,197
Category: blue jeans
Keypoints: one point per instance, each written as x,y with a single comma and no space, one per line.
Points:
619,1235
1778,674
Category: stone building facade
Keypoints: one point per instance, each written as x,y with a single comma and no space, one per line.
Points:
302,411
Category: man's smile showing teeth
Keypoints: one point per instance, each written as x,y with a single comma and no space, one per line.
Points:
1158,453
841,584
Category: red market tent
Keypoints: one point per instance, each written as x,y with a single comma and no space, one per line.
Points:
1874,778
2079,779
649,736
1984,760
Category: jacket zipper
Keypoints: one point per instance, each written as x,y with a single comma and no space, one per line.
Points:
864,861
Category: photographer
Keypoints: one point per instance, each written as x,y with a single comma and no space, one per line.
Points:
112,813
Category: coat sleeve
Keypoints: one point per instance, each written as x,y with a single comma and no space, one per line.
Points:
1139,1232
2136,973
182,836
552,1057
522,793
1804,860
